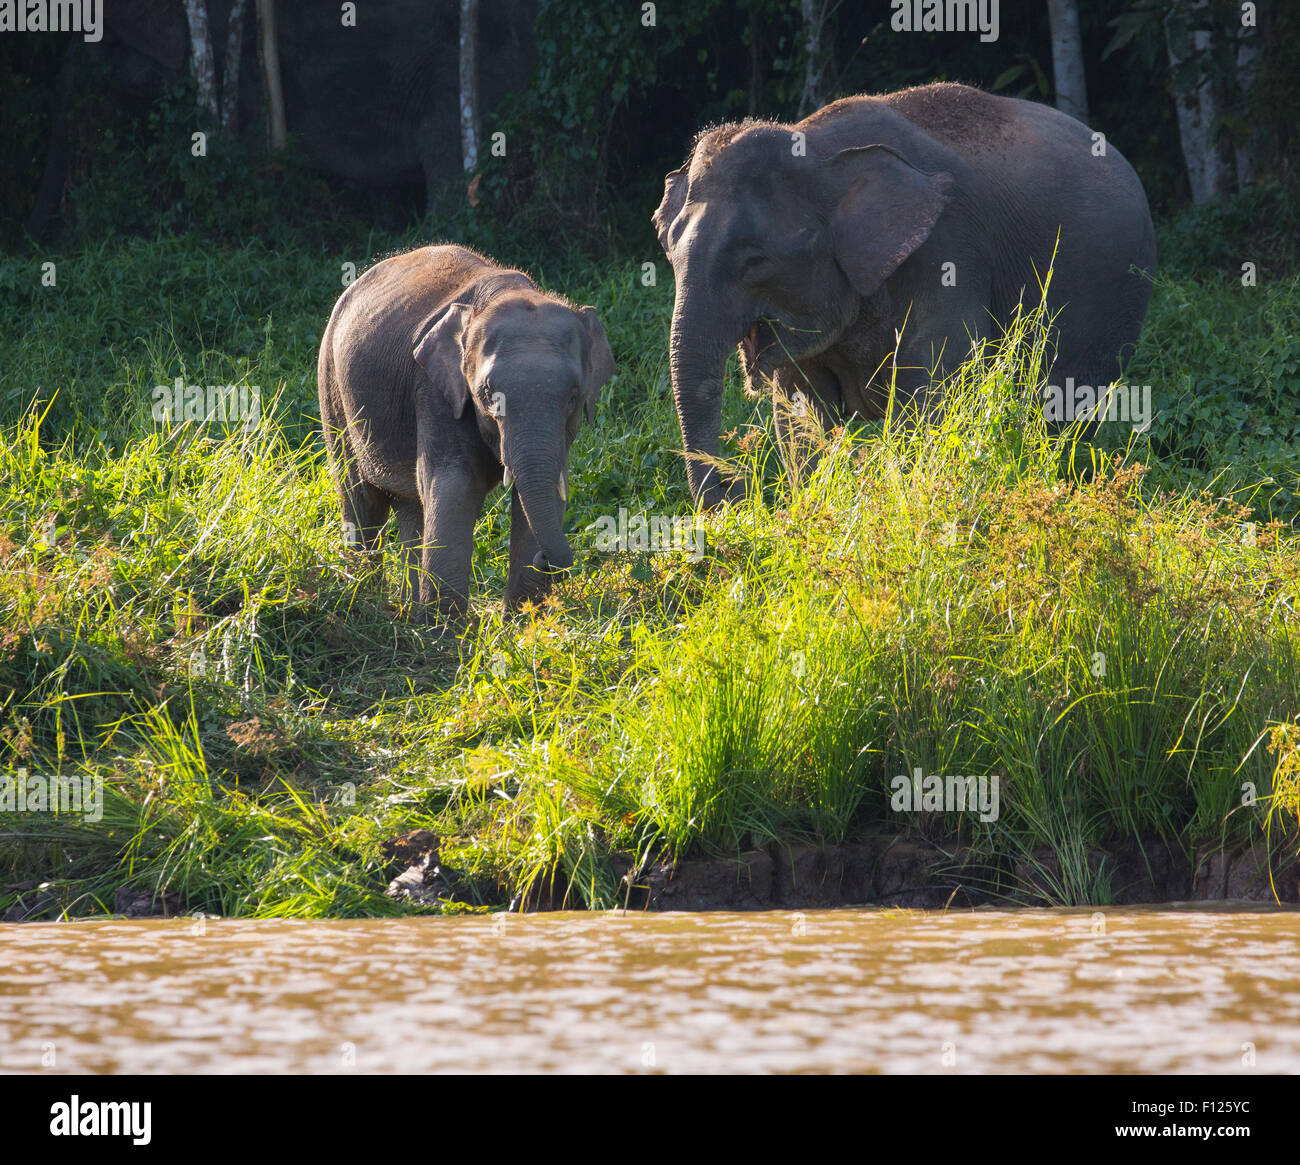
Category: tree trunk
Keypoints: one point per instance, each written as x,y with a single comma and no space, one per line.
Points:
755,59
205,69
1196,100
269,54
469,85
1067,59
814,23
230,67
53,178
1246,71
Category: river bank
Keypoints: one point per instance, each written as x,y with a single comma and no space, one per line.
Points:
886,870
249,716
878,870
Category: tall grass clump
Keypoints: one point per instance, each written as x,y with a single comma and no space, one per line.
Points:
171,615
977,596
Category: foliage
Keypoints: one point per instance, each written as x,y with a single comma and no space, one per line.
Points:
233,193
931,598
25,95
591,63
1255,102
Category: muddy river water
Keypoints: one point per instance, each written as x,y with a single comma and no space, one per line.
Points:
1124,990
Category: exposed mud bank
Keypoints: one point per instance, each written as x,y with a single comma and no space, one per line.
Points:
908,872
41,901
887,870
879,869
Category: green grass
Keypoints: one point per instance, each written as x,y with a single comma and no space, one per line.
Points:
178,615
1224,364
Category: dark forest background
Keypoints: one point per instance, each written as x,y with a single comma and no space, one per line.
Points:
594,102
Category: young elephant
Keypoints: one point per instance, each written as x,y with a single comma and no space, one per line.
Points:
440,375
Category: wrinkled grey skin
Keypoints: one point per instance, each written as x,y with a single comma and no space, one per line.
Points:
841,246
438,370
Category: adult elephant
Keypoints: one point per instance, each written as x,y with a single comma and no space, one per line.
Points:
928,211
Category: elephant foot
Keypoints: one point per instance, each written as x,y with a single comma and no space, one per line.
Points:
530,585
515,600
449,628
442,620
714,496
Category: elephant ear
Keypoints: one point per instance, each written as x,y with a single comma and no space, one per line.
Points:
600,361
889,210
670,206
439,353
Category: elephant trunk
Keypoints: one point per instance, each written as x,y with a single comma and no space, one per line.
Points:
538,479
701,340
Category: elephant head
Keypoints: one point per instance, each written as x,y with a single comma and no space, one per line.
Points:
775,239
530,366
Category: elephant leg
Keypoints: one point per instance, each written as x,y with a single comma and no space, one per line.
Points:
365,512
922,367
917,385
805,404
410,523
452,499
525,583
365,507
946,324
1083,364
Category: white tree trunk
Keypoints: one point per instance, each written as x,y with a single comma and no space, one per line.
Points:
814,22
1067,58
269,53
1246,70
205,70
230,69
1196,101
469,137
